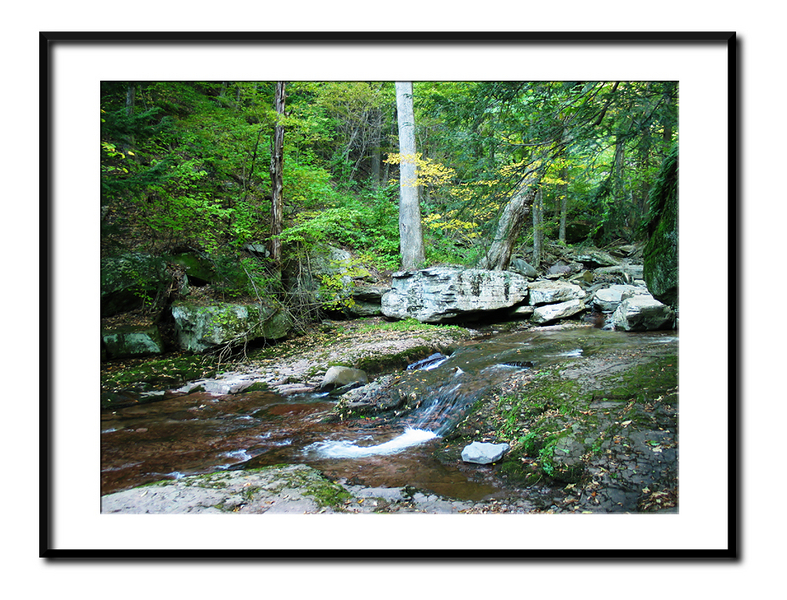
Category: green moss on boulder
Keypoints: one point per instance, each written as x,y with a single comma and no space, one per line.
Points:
132,342
202,328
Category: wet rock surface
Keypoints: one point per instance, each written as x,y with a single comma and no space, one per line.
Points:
293,489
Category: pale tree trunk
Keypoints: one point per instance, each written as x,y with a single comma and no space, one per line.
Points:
128,141
277,185
563,206
411,241
538,229
509,227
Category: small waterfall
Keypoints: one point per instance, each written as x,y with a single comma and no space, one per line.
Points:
443,389
346,449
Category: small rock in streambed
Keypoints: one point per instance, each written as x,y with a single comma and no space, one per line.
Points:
484,453
340,376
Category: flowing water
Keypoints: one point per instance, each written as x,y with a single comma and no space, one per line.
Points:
197,433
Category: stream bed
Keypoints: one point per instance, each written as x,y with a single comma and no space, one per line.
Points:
179,435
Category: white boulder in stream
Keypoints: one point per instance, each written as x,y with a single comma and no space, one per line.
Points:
337,377
484,453
442,294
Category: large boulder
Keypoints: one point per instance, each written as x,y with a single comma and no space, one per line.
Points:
132,342
661,252
643,313
129,281
442,294
201,328
551,292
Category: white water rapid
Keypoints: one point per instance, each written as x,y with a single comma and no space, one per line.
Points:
346,449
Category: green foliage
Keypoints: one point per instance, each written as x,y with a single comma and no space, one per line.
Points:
334,291
186,165
367,226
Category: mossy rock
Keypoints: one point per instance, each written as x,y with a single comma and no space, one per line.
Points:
202,328
386,363
132,342
130,281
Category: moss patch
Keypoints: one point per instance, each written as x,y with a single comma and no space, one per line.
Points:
557,425
145,374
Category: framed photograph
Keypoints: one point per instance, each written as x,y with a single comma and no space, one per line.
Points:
161,150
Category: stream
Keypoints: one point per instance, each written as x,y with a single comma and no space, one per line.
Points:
195,433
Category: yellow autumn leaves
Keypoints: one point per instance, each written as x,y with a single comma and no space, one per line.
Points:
433,174
428,171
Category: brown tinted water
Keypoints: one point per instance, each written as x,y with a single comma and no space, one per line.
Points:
198,433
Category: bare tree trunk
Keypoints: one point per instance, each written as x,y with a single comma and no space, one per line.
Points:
538,230
509,227
277,185
563,206
411,241
130,99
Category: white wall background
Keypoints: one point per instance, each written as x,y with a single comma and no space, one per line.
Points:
762,200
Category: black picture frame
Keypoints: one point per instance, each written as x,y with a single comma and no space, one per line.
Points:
52,289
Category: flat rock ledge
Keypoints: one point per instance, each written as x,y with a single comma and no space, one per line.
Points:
291,489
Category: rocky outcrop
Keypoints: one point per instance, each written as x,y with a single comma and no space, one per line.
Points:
201,328
325,277
442,294
643,313
661,251
128,281
281,489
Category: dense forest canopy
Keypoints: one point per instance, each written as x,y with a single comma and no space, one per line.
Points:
189,165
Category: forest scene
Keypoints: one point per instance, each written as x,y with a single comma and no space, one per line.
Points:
435,297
